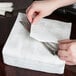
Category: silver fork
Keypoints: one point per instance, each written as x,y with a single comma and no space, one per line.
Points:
52,47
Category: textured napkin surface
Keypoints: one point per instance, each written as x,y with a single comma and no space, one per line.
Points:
23,51
47,30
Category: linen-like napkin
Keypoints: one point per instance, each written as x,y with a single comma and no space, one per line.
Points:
23,51
6,4
5,7
74,6
47,30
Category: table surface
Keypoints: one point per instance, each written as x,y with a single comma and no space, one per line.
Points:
6,70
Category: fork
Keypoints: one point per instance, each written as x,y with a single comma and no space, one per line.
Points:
52,47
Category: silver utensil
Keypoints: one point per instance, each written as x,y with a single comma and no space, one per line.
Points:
52,47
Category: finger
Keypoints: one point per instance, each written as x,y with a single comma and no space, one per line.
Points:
66,58
64,46
69,63
30,14
62,53
66,41
37,18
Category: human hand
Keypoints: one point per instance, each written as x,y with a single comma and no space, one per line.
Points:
39,9
67,51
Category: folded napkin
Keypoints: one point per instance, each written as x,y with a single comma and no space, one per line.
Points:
47,30
5,7
23,51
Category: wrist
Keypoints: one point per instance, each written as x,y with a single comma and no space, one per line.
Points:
55,4
62,3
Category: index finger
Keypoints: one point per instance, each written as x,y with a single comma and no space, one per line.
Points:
30,14
64,46
65,41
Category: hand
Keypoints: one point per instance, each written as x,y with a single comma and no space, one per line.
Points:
39,9
67,51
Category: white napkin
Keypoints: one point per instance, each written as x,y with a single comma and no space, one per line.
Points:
5,6
47,30
23,51
2,12
74,6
